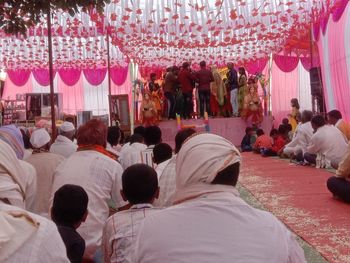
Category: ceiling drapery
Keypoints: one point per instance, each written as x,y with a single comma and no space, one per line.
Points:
158,33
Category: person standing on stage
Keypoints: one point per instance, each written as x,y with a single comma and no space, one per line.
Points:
204,77
156,95
232,80
242,88
169,88
186,80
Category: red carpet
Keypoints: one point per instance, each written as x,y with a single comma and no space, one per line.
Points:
298,196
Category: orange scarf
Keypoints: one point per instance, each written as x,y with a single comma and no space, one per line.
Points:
97,148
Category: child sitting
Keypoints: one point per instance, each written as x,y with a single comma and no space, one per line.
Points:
140,189
246,145
279,140
69,210
162,154
263,141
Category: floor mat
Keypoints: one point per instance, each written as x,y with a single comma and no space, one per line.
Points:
298,196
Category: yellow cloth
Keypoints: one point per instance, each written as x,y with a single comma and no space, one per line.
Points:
344,127
344,165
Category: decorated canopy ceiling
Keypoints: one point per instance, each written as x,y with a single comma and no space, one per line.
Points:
167,32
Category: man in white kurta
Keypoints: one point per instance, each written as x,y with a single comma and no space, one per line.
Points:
100,176
302,136
64,144
211,223
327,142
132,155
27,237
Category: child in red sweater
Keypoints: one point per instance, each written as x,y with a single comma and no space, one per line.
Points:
279,141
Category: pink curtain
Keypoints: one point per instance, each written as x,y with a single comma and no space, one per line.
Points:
11,89
95,76
306,61
256,66
42,76
284,88
339,8
119,74
73,95
338,64
286,63
70,76
19,77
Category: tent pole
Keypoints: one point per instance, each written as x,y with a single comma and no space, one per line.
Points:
52,90
109,78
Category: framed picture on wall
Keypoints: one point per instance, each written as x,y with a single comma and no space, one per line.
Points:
120,111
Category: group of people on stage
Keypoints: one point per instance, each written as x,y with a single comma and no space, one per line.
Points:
103,200
309,140
231,94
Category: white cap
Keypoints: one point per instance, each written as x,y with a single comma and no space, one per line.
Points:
67,126
39,138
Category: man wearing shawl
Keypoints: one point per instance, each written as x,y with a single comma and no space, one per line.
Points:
210,223
93,168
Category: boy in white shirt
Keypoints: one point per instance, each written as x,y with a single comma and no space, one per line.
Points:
140,189
162,154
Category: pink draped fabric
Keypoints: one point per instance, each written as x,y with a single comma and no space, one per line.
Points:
146,71
324,22
70,76
256,66
338,64
73,95
284,88
339,8
316,30
19,77
306,61
42,76
286,63
119,74
95,76
11,89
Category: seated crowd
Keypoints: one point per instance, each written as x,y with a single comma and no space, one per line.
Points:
101,200
316,141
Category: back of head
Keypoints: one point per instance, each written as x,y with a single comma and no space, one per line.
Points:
282,129
185,65
248,130
273,132
13,137
318,121
182,136
67,129
260,132
140,183
140,130
113,135
162,152
40,139
285,121
202,64
136,138
94,132
306,116
69,206
153,135
334,116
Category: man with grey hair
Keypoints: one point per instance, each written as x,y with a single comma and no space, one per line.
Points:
64,144
210,222
301,138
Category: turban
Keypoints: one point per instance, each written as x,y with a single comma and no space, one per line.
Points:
12,183
13,137
199,161
67,127
39,138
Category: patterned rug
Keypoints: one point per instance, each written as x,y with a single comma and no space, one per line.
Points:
298,196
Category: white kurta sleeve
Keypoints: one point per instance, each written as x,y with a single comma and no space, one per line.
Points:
314,146
295,252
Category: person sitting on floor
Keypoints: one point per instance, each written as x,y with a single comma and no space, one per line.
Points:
335,118
132,155
69,210
45,164
328,145
162,154
210,222
301,139
246,145
64,144
262,142
113,137
339,185
279,137
138,130
153,136
140,189
94,169
167,181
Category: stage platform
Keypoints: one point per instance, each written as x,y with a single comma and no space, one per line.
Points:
232,129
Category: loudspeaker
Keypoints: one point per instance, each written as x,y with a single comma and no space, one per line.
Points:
316,81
